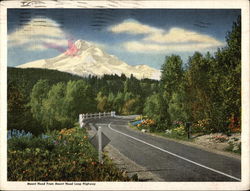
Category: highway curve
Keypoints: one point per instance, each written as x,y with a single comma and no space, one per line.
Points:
169,160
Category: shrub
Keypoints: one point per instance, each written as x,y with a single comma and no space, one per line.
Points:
234,143
60,156
234,125
147,124
201,126
180,131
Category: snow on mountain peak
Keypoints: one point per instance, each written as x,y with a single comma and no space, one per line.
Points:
82,45
84,58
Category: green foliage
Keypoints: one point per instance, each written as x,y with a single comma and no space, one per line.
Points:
172,73
118,102
38,94
79,98
129,105
179,131
171,78
63,156
41,99
53,108
152,107
128,101
22,143
20,83
59,106
177,106
101,102
207,89
197,86
176,134
19,114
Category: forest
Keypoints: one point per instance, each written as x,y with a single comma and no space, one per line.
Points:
205,91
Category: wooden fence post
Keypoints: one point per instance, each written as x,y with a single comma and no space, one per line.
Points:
188,129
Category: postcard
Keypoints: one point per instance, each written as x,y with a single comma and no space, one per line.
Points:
124,95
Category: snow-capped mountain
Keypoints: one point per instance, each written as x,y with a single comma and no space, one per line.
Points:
84,58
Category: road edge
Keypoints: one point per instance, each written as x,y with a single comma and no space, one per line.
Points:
191,144
131,167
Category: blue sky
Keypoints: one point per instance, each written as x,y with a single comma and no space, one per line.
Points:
136,36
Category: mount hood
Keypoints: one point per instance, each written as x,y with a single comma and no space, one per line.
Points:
84,58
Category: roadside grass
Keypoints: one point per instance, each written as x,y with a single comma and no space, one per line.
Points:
234,146
133,127
230,149
183,137
65,155
174,136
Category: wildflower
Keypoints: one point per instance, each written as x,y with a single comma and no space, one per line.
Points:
62,131
17,133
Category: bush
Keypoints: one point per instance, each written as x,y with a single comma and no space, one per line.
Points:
60,156
180,131
147,124
234,125
201,126
234,143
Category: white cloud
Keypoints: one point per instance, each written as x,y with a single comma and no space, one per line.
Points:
157,40
142,47
133,27
35,47
179,35
35,33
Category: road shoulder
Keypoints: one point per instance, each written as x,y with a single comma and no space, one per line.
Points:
124,163
131,168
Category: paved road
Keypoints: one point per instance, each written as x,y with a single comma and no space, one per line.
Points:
170,160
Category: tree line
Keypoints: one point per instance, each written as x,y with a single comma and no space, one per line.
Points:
207,88
53,99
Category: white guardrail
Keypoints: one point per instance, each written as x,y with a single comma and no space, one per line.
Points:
85,116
